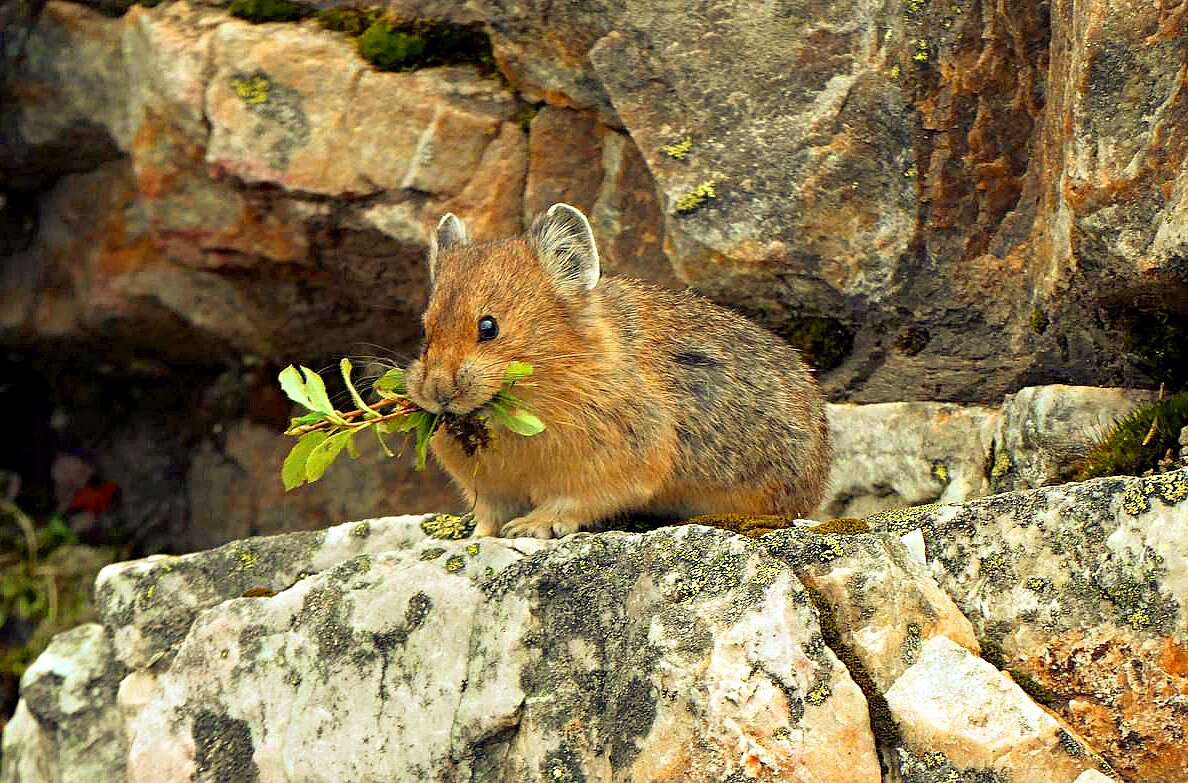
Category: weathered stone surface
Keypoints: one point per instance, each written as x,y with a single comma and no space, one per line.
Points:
883,604
904,454
683,654
234,489
1045,430
1079,591
959,716
67,728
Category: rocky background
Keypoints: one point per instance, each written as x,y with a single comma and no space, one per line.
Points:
971,217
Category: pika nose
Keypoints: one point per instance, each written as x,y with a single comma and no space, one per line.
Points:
440,390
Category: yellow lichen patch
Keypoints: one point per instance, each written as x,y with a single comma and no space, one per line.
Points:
1002,464
1171,488
448,526
921,53
753,525
361,530
454,564
894,72
903,520
911,172
842,526
247,559
697,197
940,472
253,90
679,150
818,695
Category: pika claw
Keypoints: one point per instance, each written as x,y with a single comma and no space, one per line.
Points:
564,527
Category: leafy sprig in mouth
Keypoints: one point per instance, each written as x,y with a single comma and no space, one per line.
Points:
325,432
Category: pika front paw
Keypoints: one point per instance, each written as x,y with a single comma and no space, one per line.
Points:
486,526
527,527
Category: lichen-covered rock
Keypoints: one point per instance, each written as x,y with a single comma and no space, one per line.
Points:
685,654
68,728
962,719
1078,591
1045,430
895,454
881,604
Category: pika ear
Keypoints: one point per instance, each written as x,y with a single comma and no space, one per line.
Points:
564,243
449,233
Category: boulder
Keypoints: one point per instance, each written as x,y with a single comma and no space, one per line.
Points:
1077,591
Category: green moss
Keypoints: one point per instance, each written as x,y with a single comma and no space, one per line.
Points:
823,342
1136,443
752,525
390,49
1039,693
257,11
1039,320
396,44
350,19
692,200
842,526
526,114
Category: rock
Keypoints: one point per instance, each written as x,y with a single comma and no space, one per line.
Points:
904,454
682,654
1045,430
67,727
882,604
960,716
234,489
1077,591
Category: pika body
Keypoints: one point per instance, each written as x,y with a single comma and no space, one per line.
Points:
657,402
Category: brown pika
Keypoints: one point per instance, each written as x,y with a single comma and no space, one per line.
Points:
655,402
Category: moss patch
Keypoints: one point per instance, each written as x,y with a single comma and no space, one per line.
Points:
823,342
258,11
1136,443
842,526
753,525
393,43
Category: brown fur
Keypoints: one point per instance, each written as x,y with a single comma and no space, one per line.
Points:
655,402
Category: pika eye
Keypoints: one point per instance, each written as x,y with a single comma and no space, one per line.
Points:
488,328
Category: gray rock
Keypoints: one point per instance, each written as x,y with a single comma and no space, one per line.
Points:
1067,587
67,728
1045,430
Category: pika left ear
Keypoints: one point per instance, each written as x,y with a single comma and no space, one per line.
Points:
564,243
450,232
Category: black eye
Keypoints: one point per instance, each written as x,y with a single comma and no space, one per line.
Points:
488,328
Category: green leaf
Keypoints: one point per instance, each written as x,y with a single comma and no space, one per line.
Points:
517,371
425,429
401,424
315,387
325,453
351,446
379,436
294,387
293,471
517,419
308,418
345,367
391,382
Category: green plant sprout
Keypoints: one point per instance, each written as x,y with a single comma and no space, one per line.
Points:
323,433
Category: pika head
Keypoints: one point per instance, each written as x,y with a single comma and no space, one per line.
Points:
493,303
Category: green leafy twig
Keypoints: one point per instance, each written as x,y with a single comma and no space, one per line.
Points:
324,432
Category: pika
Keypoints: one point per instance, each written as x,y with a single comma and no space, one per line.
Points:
655,402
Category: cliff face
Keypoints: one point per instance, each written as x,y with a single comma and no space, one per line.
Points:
939,201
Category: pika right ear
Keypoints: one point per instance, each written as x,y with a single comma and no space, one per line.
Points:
450,232
564,243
